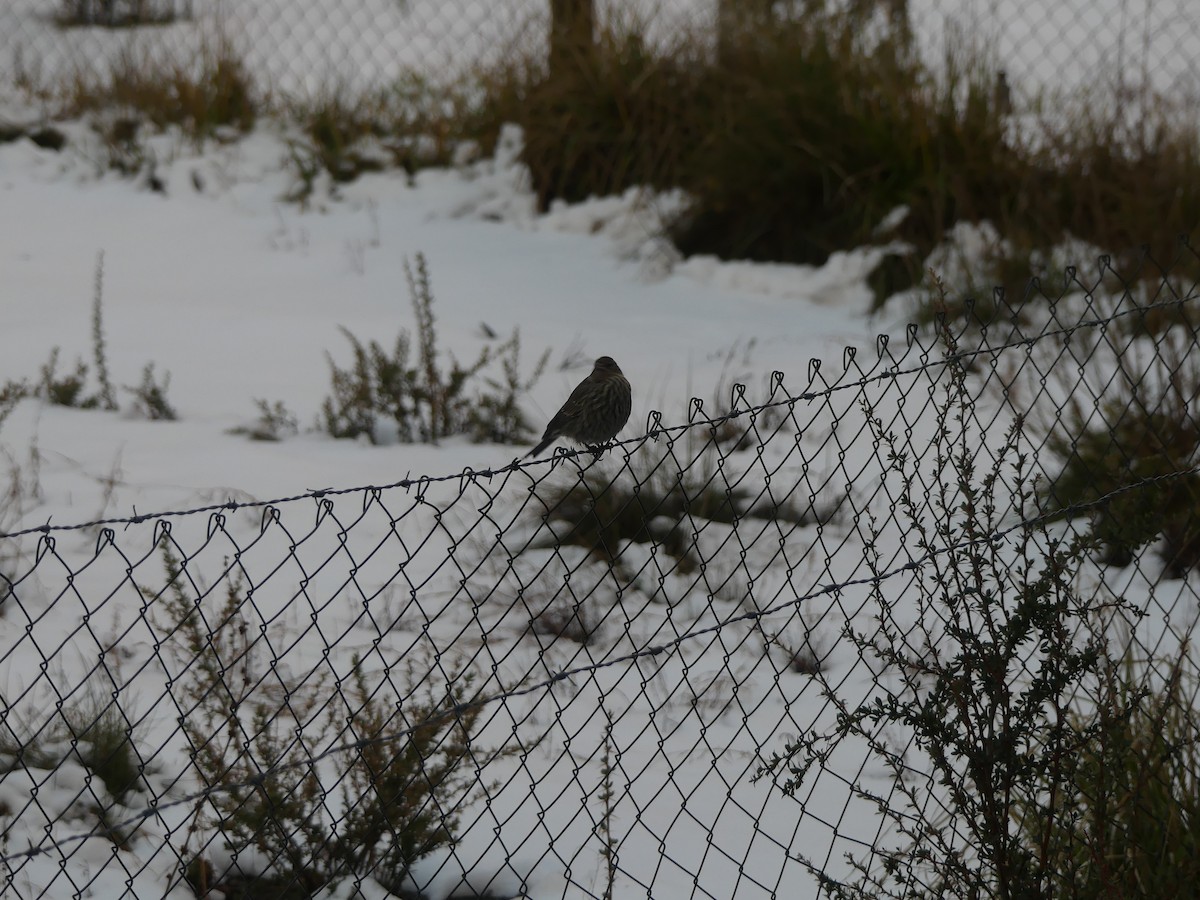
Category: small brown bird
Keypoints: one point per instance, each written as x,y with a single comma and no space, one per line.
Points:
596,410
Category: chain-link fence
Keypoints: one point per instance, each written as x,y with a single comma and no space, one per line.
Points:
844,627
310,46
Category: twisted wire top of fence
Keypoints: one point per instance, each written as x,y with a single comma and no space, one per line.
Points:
922,350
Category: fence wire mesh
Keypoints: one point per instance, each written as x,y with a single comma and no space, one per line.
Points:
638,672
320,47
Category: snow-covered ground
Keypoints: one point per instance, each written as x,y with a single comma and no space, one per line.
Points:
239,296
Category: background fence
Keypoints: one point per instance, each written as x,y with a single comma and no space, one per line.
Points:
309,46
839,631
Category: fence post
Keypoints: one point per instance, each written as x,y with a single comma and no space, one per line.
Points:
572,32
737,20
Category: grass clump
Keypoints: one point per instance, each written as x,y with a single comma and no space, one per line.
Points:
568,619
987,677
822,131
395,794
415,398
104,741
1130,188
809,129
658,500
93,728
213,97
121,13
795,141
795,132
1138,445
1125,824
413,124
71,389
616,118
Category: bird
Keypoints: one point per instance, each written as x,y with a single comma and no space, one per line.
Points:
597,409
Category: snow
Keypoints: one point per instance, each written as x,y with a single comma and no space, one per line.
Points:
239,295
257,289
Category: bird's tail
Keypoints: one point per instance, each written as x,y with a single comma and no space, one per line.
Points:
537,451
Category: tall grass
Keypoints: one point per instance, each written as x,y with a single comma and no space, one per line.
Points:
216,91
794,136
803,134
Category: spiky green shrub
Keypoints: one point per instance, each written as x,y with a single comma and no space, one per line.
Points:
812,125
1135,450
986,677
403,779
418,398
1124,825
216,93
656,498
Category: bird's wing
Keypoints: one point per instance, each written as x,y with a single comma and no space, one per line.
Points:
571,408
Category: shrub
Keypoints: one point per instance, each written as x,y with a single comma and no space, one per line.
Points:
1139,444
106,398
150,396
275,422
991,670
1124,825
234,733
67,390
403,783
403,799
214,94
11,393
122,13
70,389
496,416
658,498
20,490
423,402
812,126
